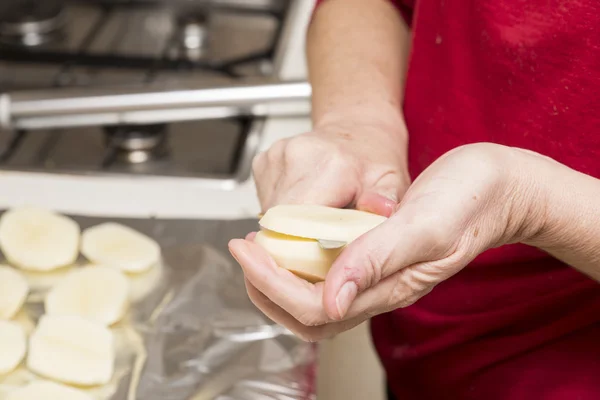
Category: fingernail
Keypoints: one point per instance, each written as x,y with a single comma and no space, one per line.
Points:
237,250
391,196
345,297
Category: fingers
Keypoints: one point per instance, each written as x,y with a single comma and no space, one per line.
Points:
306,333
378,254
296,296
330,182
398,290
305,170
297,304
383,196
377,204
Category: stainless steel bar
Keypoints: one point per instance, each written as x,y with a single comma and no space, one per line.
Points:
165,105
291,109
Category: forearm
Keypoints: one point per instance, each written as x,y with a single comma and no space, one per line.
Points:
357,56
567,206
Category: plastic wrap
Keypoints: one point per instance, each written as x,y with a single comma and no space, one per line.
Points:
191,333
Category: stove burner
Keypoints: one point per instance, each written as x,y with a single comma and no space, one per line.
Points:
134,144
31,22
193,34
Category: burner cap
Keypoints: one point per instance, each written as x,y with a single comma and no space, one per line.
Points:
31,22
136,143
193,33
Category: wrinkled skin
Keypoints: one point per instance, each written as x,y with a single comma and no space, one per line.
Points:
331,167
466,202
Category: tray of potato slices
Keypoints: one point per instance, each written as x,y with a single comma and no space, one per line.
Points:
135,309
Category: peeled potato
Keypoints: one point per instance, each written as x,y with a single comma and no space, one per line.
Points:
319,222
118,246
43,281
304,257
38,240
42,390
25,321
13,292
13,345
72,350
96,293
290,234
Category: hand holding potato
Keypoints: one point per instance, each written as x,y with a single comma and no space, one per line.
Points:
354,162
463,204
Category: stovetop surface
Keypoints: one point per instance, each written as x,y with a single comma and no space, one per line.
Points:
133,42
122,43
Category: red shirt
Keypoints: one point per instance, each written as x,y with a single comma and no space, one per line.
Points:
515,324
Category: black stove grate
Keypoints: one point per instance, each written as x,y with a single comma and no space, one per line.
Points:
81,56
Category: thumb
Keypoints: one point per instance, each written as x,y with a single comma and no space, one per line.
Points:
388,248
383,197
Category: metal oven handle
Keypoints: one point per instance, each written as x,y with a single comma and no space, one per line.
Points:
63,108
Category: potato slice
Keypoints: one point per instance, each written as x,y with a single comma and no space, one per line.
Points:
96,293
38,240
319,222
41,390
289,234
13,345
72,350
13,292
118,246
304,257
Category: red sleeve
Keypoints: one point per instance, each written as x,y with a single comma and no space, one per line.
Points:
404,6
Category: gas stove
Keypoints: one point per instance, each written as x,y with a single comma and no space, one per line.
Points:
112,42
176,88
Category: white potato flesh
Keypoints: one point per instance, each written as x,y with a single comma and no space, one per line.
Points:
289,234
13,292
43,281
118,246
72,350
319,222
13,346
97,293
303,257
42,390
38,240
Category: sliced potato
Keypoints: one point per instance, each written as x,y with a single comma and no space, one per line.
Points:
38,240
96,293
72,350
13,292
47,390
13,346
289,234
118,246
42,281
304,257
319,222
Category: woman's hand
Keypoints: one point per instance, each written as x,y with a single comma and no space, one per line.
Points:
345,161
473,198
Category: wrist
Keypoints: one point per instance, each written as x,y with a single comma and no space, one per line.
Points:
539,180
564,208
513,210
385,118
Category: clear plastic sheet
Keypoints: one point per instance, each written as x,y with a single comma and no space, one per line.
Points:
192,333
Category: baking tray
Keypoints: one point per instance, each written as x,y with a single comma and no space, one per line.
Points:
191,333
